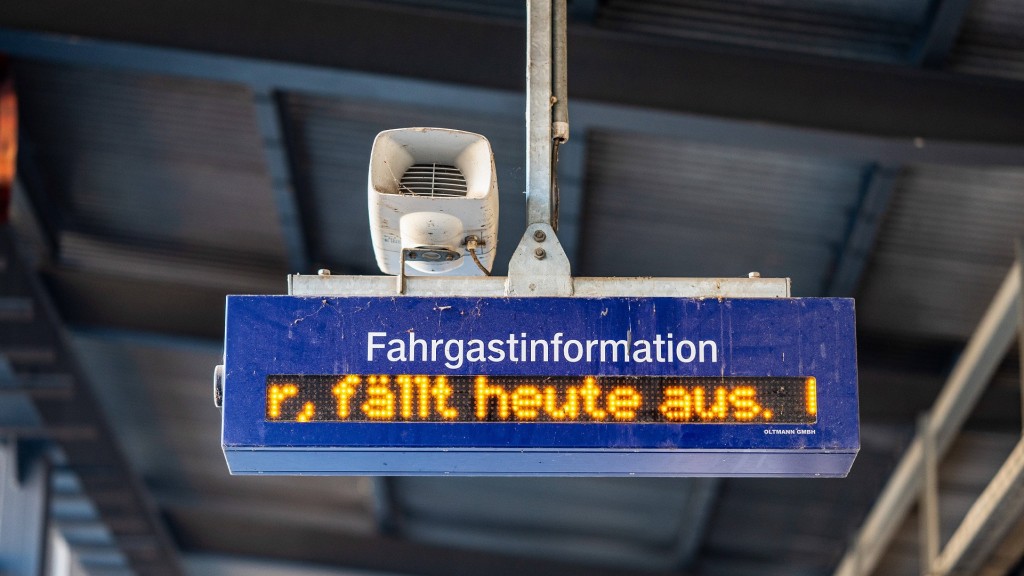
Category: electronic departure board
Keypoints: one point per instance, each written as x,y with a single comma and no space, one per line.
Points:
540,386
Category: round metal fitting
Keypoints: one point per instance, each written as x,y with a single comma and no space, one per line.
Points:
431,254
539,253
323,272
539,235
754,275
218,386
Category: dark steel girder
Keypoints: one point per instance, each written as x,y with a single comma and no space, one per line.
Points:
945,20
38,355
613,67
876,193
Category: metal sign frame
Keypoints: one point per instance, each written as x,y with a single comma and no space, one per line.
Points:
327,335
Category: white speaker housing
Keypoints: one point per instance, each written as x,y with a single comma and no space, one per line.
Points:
423,208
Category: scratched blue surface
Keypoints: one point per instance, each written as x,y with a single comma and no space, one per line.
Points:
763,337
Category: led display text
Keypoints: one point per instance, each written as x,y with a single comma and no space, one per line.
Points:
459,398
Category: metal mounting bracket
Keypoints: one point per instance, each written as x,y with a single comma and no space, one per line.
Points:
539,266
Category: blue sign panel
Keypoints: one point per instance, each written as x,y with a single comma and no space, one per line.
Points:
540,386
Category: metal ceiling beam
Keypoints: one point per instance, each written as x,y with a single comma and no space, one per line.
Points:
704,494
279,169
34,200
877,189
268,75
750,84
385,509
992,517
945,20
990,538
95,299
973,371
854,146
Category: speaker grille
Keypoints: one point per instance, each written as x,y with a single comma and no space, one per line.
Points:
434,180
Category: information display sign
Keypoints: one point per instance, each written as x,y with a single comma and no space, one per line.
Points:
540,386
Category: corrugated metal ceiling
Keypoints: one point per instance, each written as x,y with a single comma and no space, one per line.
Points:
991,42
167,168
499,8
943,249
633,523
664,207
871,30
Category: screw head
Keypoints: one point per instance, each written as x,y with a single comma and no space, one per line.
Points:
323,272
539,236
754,275
539,253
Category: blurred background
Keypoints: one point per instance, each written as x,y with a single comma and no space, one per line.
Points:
170,153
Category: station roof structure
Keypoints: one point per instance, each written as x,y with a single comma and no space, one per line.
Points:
170,153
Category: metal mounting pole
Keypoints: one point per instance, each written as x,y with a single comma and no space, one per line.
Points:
539,93
540,266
